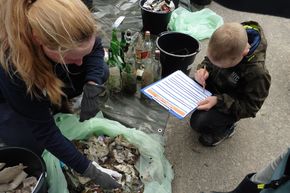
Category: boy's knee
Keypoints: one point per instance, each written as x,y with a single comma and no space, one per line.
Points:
198,122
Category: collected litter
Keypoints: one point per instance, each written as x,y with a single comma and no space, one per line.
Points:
156,171
164,6
15,179
112,153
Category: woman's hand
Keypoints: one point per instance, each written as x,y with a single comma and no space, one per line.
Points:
207,103
106,178
93,97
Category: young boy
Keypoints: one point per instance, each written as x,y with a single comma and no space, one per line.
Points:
235,72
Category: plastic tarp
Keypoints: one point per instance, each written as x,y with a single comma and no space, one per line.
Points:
107,11
153,166
131,111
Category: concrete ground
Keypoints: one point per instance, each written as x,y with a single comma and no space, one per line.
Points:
257,140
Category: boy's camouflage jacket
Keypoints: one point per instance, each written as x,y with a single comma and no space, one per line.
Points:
241,90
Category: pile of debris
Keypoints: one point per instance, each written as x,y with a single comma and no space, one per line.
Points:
112,153
15,180
164,6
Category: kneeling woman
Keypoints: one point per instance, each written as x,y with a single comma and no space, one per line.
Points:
49,52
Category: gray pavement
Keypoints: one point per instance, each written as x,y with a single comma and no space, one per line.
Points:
257,140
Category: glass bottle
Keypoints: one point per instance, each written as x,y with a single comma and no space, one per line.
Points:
114,82
157,65
146,53
147,46
139,49
128,39
111,62
148,74
140,71
129,84
130,59
115,43
122,45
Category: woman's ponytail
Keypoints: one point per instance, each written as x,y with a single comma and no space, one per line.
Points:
19,50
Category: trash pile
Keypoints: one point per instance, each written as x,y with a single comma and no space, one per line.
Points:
15,180
112,153
163,6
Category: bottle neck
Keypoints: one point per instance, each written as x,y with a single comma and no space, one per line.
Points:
114,35
147,37
157,55
123,36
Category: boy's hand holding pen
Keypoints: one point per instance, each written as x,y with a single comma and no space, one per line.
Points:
201,75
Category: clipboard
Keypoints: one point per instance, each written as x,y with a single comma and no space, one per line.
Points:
178,93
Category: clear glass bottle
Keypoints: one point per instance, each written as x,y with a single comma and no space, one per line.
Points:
147,46
140,71
147,49
148,74
157,65
130,59
139,50
114,82
128,39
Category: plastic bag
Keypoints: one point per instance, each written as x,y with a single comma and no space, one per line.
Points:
200,24
153,166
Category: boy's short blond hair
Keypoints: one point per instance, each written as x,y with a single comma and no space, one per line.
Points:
228,42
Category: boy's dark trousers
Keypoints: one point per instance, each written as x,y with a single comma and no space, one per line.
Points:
211,122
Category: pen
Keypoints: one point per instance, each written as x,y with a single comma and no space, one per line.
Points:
203,86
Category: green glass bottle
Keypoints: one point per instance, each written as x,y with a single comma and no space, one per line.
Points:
115,43
111,62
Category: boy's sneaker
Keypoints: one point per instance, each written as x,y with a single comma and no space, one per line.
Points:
213,140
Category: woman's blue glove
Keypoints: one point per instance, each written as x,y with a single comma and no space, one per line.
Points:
94,96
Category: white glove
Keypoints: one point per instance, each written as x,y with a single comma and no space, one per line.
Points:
112,173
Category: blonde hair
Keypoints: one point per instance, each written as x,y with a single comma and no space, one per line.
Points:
228,42
60,25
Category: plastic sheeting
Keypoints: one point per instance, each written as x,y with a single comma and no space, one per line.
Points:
147,116
128,110
107,11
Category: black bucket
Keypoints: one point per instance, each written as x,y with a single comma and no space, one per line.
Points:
155,22
201,2
35,165
177,52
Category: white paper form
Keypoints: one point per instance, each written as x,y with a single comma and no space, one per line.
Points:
178,93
